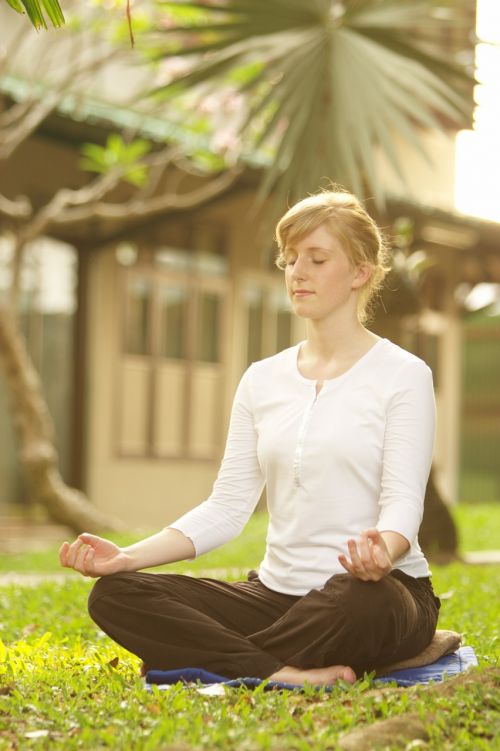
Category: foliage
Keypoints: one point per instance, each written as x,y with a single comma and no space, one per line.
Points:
479,526
117,154
64,685
322,84
38,9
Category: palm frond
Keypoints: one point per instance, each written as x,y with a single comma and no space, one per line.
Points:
345,78
38,9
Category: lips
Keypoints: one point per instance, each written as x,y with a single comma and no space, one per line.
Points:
302,292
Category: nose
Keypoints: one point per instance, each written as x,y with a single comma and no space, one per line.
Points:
298,270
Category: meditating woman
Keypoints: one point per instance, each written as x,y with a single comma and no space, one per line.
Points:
339,429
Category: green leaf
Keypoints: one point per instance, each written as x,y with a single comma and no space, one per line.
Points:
117,153
38,9
325,85
136,176
18,6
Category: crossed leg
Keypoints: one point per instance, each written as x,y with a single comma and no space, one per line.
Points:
245,629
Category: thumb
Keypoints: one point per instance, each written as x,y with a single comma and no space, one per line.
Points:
380,555
374,535
89,539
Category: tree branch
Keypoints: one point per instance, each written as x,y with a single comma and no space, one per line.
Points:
23,118
141,209
18,209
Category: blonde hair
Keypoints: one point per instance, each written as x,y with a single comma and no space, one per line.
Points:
350,223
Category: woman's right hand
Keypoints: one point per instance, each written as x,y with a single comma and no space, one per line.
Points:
94,556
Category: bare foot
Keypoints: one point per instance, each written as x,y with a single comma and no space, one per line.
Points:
315,676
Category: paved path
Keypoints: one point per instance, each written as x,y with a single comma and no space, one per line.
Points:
482,557
32,579
29,579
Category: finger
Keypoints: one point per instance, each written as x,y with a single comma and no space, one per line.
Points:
63,554
357,567
354,554
75,555
373,533
381,557
346,564
73,552
88,561
89,539
80,558
365,550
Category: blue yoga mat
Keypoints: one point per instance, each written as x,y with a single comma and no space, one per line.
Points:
451,664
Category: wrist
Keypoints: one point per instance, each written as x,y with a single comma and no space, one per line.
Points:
396,545
130,563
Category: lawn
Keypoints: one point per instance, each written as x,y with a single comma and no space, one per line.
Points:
64,685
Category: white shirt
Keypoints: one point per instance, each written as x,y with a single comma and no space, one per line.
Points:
357,455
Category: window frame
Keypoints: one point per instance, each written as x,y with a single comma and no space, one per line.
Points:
196,283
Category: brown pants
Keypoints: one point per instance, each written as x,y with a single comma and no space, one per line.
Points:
245,629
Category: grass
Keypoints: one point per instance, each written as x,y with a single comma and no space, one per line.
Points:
64,685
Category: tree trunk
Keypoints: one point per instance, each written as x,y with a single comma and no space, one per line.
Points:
35,432
438,535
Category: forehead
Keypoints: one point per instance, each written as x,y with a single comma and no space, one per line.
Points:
320,238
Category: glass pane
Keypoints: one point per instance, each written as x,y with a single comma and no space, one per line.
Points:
137,336
174,259
173,318
187,261
283,330
255,315
208,334
210,264
281,308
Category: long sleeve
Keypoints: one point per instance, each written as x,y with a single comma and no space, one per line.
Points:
354,456
238,486
407,455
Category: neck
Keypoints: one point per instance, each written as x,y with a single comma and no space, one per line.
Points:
326,340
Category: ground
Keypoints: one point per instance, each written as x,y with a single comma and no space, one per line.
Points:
64,685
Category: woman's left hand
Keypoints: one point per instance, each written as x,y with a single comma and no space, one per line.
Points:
370,559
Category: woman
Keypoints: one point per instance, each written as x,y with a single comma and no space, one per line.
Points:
340,430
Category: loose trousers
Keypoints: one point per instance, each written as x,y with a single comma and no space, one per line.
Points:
246,629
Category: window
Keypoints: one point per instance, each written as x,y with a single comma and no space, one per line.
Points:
137,316
270,325
173,312
172,364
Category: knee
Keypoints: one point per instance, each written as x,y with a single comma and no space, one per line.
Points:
107,588
369,600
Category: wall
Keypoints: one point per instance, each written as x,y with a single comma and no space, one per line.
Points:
152,492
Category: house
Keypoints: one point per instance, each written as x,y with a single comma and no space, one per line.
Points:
168,312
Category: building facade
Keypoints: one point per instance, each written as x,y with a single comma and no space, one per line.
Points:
168,312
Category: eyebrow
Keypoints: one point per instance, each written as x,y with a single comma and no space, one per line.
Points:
289,249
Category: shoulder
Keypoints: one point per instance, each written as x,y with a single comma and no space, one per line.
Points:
402,358
398,365
262,375
403,369
281,363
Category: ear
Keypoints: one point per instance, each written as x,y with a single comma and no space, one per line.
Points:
362,275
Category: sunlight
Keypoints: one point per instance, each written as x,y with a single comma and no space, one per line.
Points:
478,150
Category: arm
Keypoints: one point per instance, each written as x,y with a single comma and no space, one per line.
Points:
95,556
217,520
238,486
408,445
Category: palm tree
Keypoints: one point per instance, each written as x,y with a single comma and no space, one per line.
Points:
38,9
325,83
